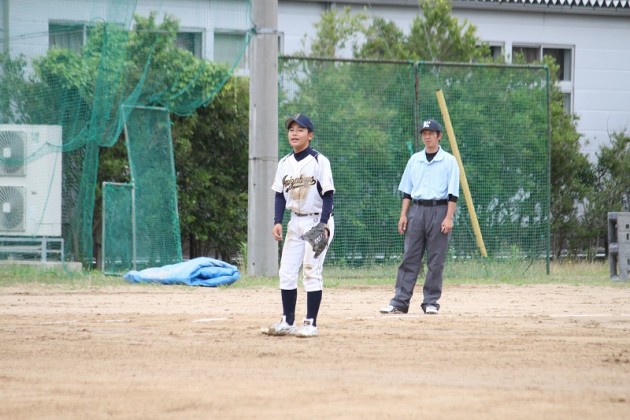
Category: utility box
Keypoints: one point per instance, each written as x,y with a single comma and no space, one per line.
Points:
619,245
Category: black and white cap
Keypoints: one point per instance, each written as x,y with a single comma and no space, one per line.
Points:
430,125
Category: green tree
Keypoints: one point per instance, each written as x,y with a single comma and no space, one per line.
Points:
438,36
13,86
610,193
86,92
211,158
434,36
613,167
571,172
334,31
384,40
376,107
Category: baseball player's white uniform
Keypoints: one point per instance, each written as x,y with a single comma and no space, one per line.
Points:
303,182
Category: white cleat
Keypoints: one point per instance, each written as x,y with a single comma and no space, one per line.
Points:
280,328
307,330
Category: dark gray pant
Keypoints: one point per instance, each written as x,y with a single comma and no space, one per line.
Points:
422,234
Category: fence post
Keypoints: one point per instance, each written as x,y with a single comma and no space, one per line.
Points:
619,245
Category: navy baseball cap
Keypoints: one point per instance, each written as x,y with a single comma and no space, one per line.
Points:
430,125
302,120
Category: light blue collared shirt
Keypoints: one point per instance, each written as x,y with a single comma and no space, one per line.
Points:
435,180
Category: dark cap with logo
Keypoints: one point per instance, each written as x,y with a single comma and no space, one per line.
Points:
302,120
431,125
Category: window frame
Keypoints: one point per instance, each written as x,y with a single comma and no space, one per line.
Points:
63,39
565,84
243,64
198,40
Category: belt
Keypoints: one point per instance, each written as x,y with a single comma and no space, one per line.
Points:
431,203
309,214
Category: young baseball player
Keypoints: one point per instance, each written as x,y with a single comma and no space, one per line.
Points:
304,186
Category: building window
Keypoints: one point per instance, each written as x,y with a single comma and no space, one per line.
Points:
562,56
68,35
228,47
564,60
496,52
190,41
529,54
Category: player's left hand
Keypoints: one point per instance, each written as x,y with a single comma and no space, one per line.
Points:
447,226
402,225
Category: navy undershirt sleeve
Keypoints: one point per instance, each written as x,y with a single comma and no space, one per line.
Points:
327,206
279,205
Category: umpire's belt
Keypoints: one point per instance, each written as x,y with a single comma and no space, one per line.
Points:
305,214
431,203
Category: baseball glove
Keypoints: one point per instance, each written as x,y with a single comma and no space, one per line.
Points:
317,238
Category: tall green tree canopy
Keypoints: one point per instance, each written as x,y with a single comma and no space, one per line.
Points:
434,35
502,121
88,91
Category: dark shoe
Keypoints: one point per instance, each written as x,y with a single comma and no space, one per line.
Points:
392,310
431,310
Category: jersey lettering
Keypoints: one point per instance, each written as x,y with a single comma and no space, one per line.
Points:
292,183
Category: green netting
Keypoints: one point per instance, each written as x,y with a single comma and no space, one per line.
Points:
69,74
366,116
140,220
150,149
118,228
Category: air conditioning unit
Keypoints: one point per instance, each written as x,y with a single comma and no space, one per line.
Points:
30,180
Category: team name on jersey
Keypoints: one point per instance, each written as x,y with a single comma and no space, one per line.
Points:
292,183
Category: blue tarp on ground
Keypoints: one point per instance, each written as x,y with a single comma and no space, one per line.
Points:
202,271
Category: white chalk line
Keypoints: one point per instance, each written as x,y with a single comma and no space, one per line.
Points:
590,315
209,319
74,321
406,316
374,317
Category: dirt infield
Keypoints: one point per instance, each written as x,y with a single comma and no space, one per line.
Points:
153,352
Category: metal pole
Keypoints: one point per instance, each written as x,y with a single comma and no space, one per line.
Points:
262,249
6,45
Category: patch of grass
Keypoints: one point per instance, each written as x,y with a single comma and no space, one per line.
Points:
521,272
19,274
514,273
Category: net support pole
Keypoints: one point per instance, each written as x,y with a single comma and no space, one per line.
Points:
462,173
262,249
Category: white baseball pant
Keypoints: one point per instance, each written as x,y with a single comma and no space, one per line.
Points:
298,253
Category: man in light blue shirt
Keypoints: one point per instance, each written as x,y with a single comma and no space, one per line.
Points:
430,187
